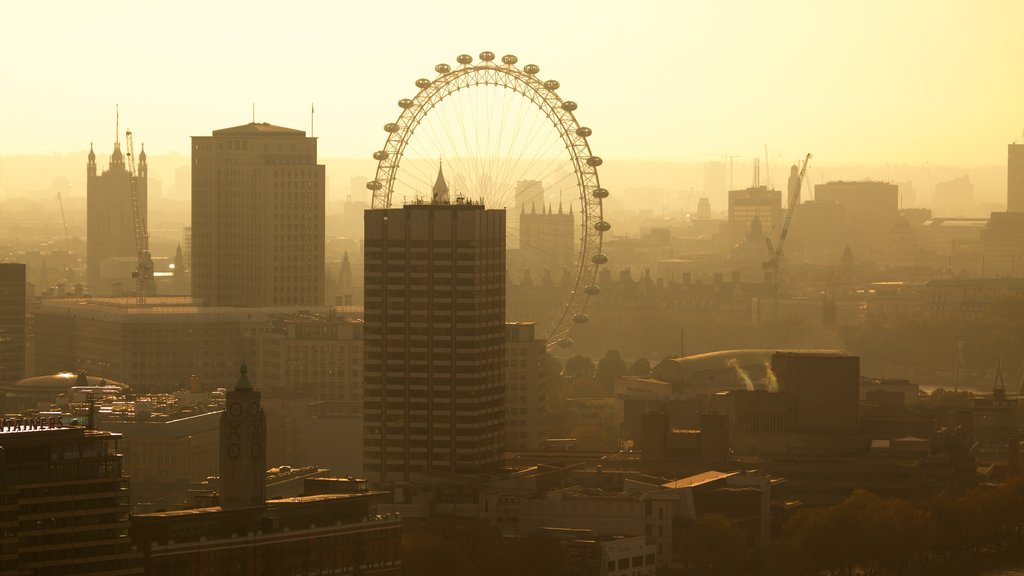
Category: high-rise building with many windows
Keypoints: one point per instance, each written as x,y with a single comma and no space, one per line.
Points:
434,338
257,217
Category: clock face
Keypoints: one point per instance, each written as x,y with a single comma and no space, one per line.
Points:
235,409
254,408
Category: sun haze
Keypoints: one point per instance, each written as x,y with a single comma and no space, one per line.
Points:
868,82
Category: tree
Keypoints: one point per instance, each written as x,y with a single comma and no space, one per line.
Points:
640,367
713,540
610,369
579,367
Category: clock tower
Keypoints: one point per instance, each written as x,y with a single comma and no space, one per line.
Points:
243,447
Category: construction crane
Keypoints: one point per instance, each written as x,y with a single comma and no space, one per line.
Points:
143,274
775,253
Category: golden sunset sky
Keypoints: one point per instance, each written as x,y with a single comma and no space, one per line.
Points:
871,82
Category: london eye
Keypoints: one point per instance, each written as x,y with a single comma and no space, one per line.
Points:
506,137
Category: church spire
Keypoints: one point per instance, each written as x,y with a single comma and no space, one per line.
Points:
440,189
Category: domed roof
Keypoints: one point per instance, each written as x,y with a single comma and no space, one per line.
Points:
53,384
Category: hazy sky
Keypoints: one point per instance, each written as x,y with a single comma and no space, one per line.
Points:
857,82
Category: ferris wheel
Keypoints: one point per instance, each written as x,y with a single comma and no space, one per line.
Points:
506,137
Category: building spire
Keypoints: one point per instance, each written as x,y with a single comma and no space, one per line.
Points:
243,378
440,187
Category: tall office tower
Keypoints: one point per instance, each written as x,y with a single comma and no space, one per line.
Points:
63,500
243,447
1015,178
434,338
12,323
871,209
257,217
547,240
110,248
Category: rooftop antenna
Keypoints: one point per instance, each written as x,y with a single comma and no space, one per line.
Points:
253,112
117,125
311,111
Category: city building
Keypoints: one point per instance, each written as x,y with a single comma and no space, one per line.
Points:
546,240
1002,242
63,500
257,217
316,357
1015,178
12,323
870,207
111,222
434,338
155,346
526,394
330,529
954,197
757,202
243,447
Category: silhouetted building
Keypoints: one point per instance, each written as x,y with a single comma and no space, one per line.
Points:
257,217
312,356
526,395
110,221
753,203
546,240
434,395
954,197
871,209
1002,242
63,500
1015,178
12,323
331,529
156,346
243,447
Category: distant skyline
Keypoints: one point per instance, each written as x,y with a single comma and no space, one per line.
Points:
872,82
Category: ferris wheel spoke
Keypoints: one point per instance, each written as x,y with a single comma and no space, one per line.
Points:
498,128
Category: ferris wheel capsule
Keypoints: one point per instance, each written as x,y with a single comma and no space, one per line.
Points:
485,70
